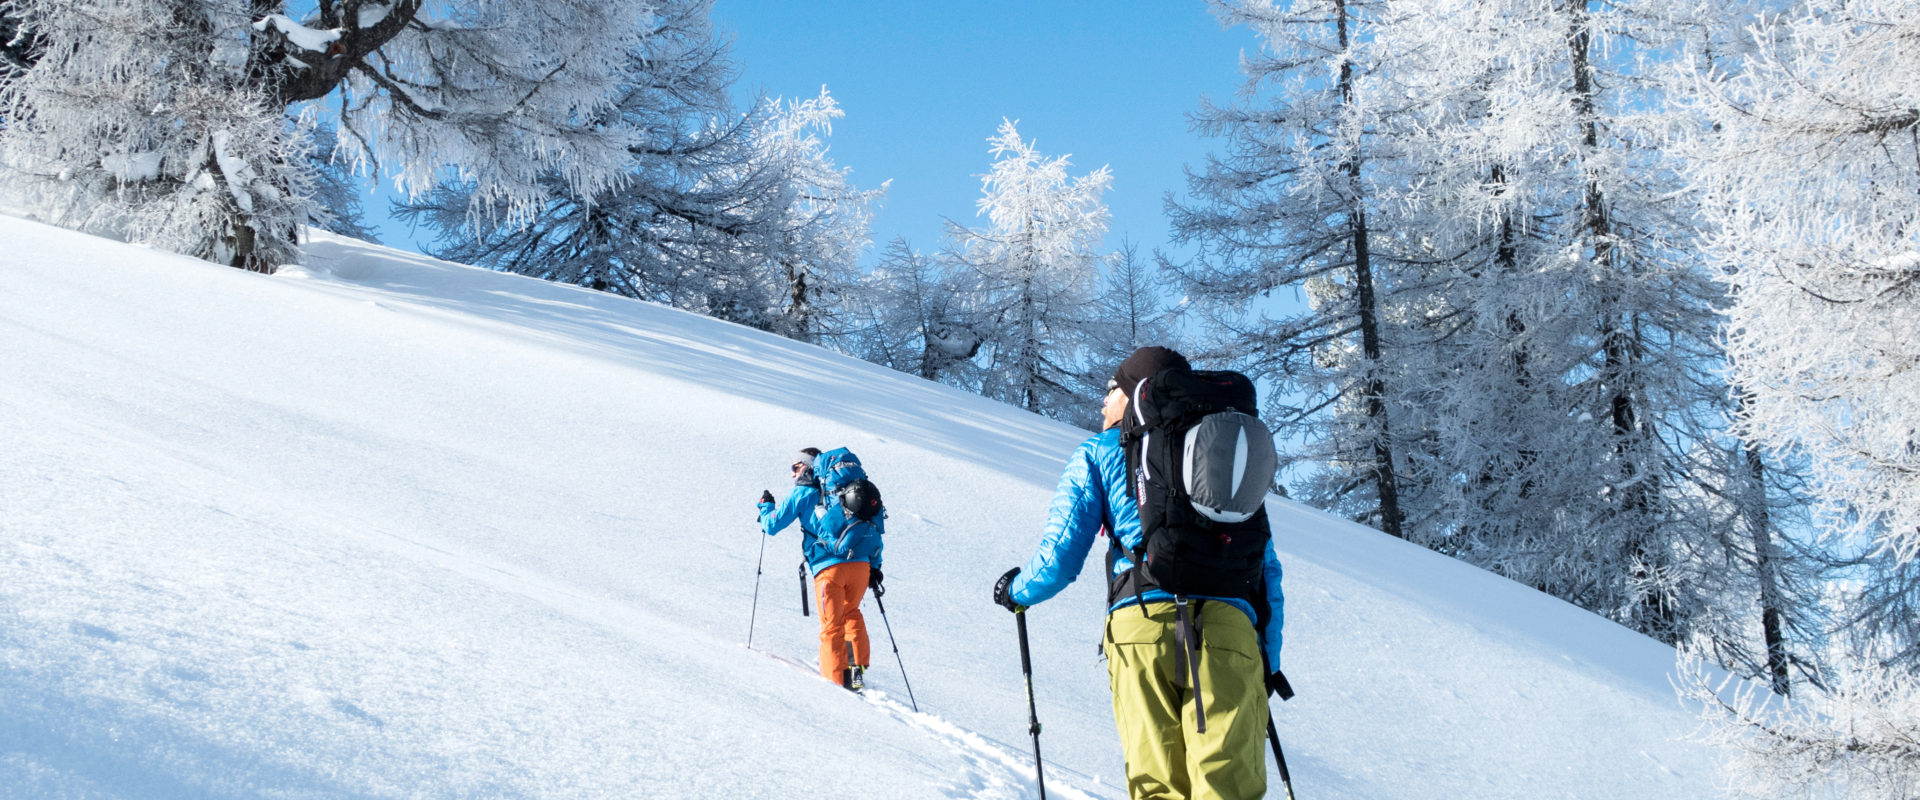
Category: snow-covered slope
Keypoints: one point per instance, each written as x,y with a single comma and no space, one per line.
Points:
382,526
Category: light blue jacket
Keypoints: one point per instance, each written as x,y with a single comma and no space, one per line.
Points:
1093,495
828,535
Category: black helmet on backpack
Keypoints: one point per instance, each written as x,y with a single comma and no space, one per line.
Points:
861,499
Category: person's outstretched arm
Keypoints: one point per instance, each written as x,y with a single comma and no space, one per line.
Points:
1073,522
776,519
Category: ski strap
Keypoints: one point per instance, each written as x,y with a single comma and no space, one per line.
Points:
1186,635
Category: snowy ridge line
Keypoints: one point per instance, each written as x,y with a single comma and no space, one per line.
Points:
1004,771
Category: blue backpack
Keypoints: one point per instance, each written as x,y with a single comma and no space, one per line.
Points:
842,477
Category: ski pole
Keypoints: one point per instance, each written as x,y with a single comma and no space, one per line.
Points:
896,649
1274,737
803,591
1033,712
1277,685
756,591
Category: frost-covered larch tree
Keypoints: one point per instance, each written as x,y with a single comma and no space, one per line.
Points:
817,222
653,234
1294,206
1811,174
916,319
1754,583
1031,276
1135,304
1567,328
337,190
187,124
1509,348
744,218
1814,182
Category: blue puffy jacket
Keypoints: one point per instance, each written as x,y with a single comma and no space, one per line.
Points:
1093,495
829,535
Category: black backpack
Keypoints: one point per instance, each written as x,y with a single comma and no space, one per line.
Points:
1199,463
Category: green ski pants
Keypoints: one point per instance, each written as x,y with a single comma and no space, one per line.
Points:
1167,757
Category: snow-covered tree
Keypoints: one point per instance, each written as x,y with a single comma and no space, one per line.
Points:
1814,184
1860,740
1751,585
652,234
916,320
337,191
1135,304
1810,166
1292,206
746,219
817,221
1508,351
1031,275
1569,328
186,125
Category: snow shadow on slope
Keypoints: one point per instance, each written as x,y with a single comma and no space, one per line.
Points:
734,358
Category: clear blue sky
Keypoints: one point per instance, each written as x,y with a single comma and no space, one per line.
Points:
923,85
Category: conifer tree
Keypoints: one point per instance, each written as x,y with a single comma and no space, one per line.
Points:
188,125
918,322
1811,171
746,219
1566,331
1295,206
1031,276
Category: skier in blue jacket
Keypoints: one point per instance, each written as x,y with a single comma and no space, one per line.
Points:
1166,756
843,555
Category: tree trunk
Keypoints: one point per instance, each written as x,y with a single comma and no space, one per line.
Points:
1654,609
283,74
1766,563
234,239
1386,483
799,305
1506,267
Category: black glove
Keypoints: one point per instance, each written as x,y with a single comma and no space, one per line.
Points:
1000,591
873,582
766,496
1277,684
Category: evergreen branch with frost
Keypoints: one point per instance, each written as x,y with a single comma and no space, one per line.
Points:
501,92
1859,741
395,92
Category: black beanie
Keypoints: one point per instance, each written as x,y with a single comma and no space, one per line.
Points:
1145,363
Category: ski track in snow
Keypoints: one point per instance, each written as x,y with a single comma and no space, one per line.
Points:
995,770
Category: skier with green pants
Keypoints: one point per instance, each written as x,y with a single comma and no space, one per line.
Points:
1154,699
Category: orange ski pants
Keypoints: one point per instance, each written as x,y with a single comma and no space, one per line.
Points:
839,589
